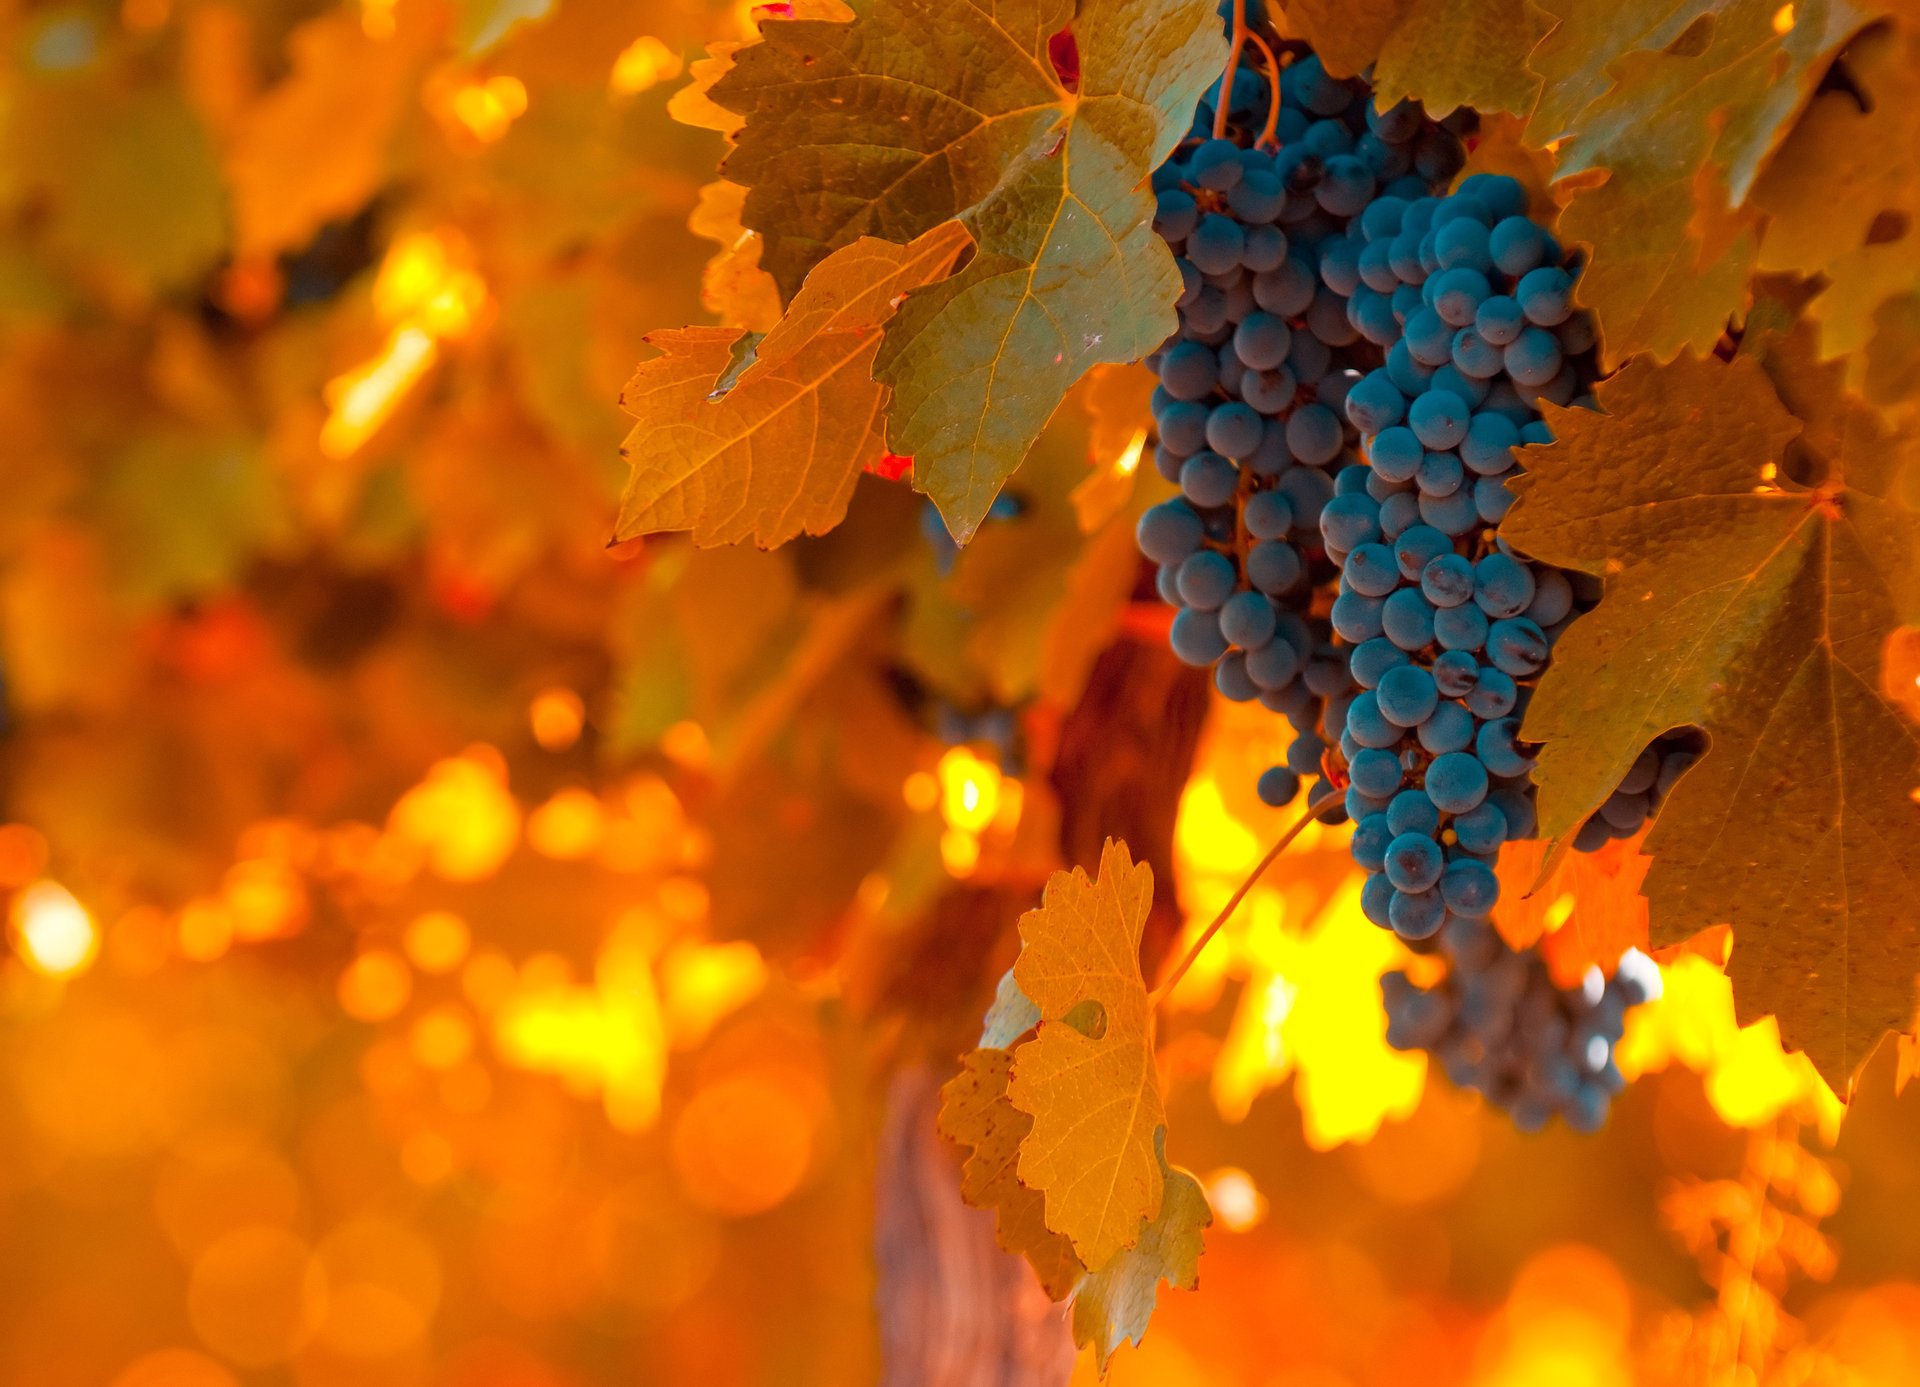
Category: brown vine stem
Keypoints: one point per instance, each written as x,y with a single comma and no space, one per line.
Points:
1160,993
1234,44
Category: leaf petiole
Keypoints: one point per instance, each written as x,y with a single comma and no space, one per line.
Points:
1160,993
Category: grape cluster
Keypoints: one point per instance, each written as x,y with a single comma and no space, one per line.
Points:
1248,412
1498,1023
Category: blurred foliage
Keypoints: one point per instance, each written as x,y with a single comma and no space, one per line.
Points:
443,951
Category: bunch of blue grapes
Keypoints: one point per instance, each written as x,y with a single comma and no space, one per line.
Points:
1498,1023
1447,629
1249,412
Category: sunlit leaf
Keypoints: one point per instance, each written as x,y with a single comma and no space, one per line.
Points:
1756,608
1087,1077
1453,53
778,453
1114,1303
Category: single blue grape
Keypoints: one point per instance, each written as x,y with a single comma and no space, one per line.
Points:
1414,862
1183,426
1247,619
1234,429
1372,658
1262,341
1216,165
1459,630
1327,319
1266,249
1206,579
1518,246
1454,671
1367,725
1340,265
1231,678
1349,521
1469,887
1376,898
1502,195
1496,749
1455,294
1314,435
1273,665
1429,338
1309,489
1268,515
1517,809
1438,419
1499,319
1552,598
1169,531
1456,782
1454,515
1533,358
1287,291
1417,547
1482,828
1406,618
1375,772
1360,805
1270,392
1166,582
1492,499
1517,647
1448,728
1447,580
1371,836
1474,356
1494,694
1346,187
1417,914
1488,447
1375,403
1196,638
1406,695
1545,295
1258,197
1370,569
1277,786
1303,754
1216,244
1502,585
1207,479
1410,377
1440,474
1175,214
1355,617
1190,371
1463,242
1397,513
1411,811
1376,265
1274,567
1396,454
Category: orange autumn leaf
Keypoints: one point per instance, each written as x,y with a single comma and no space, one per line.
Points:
1589,911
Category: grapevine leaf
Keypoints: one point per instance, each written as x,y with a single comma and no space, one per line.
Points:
316,146
1453,53
1843,193
1087,1077
1011,1015
1672,245
1756,608
694,105
1114,1303
1588,911
918,112
779,452
1347,34
975,1113
733,287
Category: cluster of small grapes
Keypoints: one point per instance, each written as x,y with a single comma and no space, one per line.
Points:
1447,628
1498,1023
1249,408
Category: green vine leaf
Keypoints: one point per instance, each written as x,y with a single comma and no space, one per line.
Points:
916,113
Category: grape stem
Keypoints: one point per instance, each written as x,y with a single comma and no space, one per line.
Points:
1243,35
1161,992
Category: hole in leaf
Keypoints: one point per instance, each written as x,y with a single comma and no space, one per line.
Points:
1802,465
1693,39
1063,51
1089,1018
1888,227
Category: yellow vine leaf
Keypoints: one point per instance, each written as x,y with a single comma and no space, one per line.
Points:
1673,237
1454,53
1114,1303
779,452
1087,1077
1347,34
1588,911
1843,193
1755,607
733,287
317,146
694,105
975,1113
